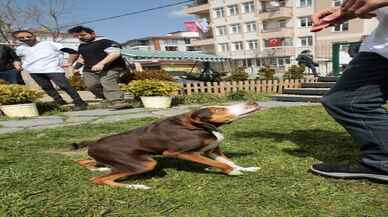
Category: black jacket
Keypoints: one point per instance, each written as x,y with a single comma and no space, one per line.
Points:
7,57
305,59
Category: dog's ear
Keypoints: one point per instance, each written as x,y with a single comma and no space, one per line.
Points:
201,118
201,115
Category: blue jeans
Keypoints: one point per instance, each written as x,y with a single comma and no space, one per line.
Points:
357,103
11,76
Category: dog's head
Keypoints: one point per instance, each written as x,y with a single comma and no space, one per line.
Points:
219,115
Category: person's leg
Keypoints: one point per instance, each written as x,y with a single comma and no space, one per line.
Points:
9,76
110,86
356,102
44,82
62,82
92,82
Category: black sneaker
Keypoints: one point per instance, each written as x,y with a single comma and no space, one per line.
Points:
349,171
119,104
80,107
60,102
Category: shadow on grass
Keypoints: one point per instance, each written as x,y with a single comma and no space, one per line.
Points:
323,145
183,165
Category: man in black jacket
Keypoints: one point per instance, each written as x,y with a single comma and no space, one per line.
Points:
10,66
103,65
306,58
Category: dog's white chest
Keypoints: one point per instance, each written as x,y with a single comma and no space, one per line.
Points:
219,136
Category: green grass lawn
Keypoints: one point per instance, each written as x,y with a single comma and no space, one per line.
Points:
38,177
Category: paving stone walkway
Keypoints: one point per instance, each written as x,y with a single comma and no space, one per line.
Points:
108,116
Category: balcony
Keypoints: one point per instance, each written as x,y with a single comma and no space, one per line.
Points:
277,33
198,7
202,42
275,13
278,51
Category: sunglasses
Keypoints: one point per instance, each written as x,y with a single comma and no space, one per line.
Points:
26,37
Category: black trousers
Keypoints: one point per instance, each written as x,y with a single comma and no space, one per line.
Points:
44,81
357,103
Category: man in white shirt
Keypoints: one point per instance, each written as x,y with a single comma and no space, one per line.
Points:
44,61
358,97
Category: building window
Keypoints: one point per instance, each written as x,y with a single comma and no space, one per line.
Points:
341,27
221,30
190,48
238,45
305,3
171,48
268,6
224,47
187,41
252,44
337,2
248,7
274,25
235,28
219,12
251,27
306,41
233,10
305,22
277,62
171,42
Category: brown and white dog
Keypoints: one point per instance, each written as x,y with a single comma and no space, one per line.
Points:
191,136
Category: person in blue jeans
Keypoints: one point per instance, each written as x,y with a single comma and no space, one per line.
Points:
10,66
358,97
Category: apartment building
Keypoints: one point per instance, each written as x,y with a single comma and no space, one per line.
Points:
270,32
175,41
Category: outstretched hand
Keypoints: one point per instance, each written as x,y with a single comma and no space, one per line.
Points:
363,7
331,16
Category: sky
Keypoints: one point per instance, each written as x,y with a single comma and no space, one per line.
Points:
154,23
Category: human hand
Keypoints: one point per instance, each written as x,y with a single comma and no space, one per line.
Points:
331,16
18,67
328,17
98,67
362,7
66,65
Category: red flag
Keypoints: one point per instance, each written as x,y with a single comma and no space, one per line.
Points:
191,26
274,42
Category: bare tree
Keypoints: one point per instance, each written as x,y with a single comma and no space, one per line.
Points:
45,15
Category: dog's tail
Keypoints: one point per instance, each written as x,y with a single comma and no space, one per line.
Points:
80,145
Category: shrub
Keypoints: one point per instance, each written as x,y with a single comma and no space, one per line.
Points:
242,95
151,88
150,75
200,98
77,82
267,73
17,94
295,72
238,95
239,75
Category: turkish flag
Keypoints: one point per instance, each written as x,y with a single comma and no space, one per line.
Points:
191,26
275,42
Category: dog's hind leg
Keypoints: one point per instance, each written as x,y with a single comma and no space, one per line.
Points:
110,179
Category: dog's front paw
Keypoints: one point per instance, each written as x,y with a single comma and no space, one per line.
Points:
235,172
249,169
139,187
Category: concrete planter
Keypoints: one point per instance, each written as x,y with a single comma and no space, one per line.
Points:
20,110
156,101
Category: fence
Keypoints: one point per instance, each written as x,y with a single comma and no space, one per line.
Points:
225,87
